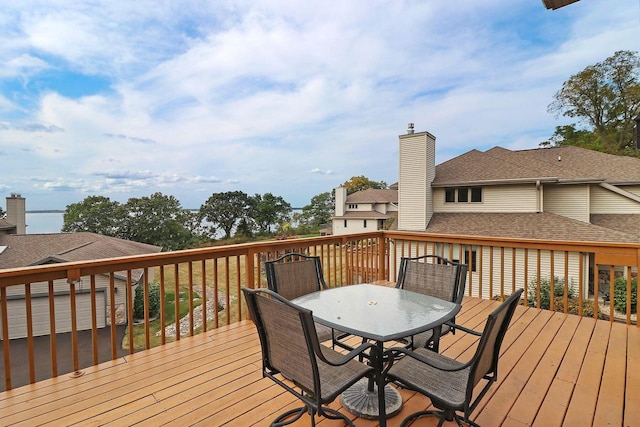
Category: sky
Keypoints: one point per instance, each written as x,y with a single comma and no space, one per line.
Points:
188,98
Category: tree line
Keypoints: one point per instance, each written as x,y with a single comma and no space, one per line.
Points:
161,220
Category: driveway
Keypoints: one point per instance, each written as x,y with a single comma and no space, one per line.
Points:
41,347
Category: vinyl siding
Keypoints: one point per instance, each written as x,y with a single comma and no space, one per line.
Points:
504,198
604,201
571,201
485,284
416,172
16,311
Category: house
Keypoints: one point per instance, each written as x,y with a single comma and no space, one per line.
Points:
562,194
366,210
18,249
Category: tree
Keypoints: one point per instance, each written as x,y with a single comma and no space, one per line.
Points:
569,135
2,213
95,214
158,220
226,210
359,183
268,210
606,97
319,211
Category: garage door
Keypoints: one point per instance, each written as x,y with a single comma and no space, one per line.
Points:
17,313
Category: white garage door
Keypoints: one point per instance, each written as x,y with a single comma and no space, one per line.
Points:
17,314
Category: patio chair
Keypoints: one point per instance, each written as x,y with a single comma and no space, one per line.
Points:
447,382
293,357
436,276
294,275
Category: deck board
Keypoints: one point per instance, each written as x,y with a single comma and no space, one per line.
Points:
554,370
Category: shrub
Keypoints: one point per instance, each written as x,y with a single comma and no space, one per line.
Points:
573,307
620,295
154,301
545,292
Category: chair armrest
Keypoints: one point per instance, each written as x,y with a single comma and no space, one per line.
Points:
344,358
463,329
395,352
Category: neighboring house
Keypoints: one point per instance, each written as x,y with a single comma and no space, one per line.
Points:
564,193
367,210
21,250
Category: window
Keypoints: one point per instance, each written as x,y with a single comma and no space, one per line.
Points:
365,223
345,223
471,263
353,206
450,195
463,195
476,195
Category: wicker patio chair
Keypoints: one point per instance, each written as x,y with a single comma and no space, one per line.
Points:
294,275
436,276
293,357
447,382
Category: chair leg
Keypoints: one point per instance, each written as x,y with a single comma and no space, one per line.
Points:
442,417
296,413
333,414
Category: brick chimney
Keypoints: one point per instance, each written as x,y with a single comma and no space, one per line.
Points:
16,213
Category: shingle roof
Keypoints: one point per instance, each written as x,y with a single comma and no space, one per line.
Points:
561,163
5,225
544,225
371,195
626,223
33,249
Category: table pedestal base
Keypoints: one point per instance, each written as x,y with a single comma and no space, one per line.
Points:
358,400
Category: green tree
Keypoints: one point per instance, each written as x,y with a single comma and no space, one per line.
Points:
158,220
319,211
226,210
2,213
569,135
269,210
606,98
95,214
359,183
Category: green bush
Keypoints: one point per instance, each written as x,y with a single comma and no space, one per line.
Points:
154,301
620,295
545,292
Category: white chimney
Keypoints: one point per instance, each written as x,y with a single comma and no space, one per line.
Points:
16,213
417,170
341,199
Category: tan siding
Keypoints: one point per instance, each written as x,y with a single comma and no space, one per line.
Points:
507,198
17,314
571,201
412,197
607,202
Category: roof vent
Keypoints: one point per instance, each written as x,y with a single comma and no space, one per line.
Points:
559,158
410,129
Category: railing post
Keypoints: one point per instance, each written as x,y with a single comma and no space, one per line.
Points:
382,257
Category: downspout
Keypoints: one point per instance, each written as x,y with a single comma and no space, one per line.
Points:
539,196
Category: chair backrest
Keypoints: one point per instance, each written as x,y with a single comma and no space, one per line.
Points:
293,275
287,334
485,360
433,275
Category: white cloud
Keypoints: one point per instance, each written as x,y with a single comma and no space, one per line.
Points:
198,97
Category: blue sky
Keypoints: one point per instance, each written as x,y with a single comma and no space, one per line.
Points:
190,98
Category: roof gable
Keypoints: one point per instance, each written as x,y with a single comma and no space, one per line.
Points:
35,249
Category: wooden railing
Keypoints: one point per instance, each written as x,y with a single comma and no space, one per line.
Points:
212,277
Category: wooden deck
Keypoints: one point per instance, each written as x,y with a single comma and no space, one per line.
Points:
554,370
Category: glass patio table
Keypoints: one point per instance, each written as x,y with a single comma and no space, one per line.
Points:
381,314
